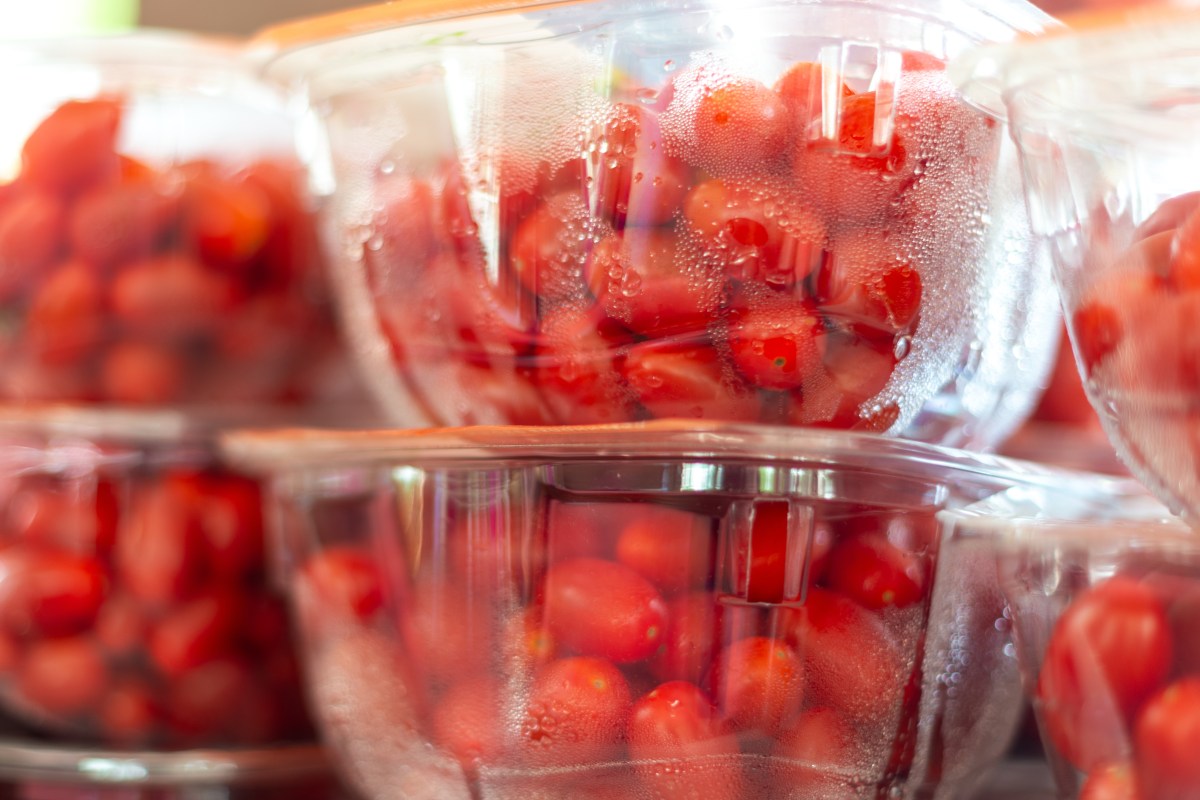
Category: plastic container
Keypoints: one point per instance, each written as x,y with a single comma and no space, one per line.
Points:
587,212
1104,599
658,609
40,770
157,243
135,605
1108,124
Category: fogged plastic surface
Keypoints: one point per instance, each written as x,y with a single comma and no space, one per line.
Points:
157,239
781,214
501,623
1107,124
1102,600
135,608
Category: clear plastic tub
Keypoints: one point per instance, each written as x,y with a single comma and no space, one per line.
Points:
1104,598
582,212
1107,119
32,769
135,605
157,242
664,609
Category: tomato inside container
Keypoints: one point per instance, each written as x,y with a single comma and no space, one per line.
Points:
661,609
1103,598
157,238
136,609
600,213
1105,118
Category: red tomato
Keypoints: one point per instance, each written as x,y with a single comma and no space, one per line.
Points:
576,714
404,237
1183,271
757,229
200,697
122,626
1164,743
644,279
467,722
121,222
731,125
63,676
689,381
863,173
197,631
142,373
1108,653
448,632
171,296
777,342
44,593
130,713
676,722
1169,215
575,370
226,221
759,684
853,663
66,320
1111,782
824,756
159,554
875,573
31,237
864,287
632,179
74,146
549,248
916,61
801,89
694,623
345,580
231,521
858,368
602,608
670,547
1098,331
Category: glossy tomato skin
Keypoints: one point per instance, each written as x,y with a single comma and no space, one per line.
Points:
576,713
603,608
1109,652
759,684
1165,739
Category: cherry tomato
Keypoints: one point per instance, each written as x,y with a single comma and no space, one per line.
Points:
576,713
824,757
31,236
575,369
759,684
1098,331
74,146
669,547
801,87
776,342
694,623
467,722
677,722
632,179
687,380
448,632
602,608
121,222
1109,651
1183,270
170,296
876,573
647,281
549,249
200,695
757,229
853,663
160,546
45,593
1165,743
231,525
196,631
62,676
731,125
1111,782
142,373
225,221
65,322
864,287
345,580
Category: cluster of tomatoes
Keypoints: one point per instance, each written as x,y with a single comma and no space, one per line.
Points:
709,250
618,638
135,610
121,282
1119,688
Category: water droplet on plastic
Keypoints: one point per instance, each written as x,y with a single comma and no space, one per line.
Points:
902,347
387,167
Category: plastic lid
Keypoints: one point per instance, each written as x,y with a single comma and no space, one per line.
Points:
1112,68
307,450
298,49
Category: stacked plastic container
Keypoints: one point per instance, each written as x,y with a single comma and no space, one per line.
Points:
160,282
700,291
